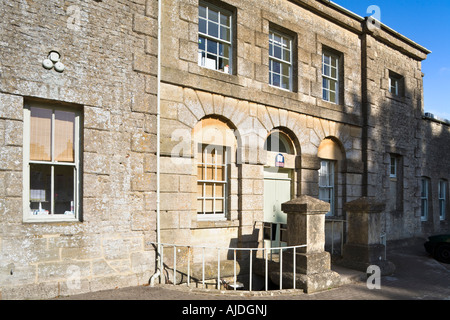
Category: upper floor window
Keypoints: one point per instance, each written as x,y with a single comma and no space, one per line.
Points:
214,38
280,60
330,77
442,198
396,84
393,167
51,163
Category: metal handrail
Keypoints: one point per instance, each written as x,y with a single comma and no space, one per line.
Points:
251,250
342,231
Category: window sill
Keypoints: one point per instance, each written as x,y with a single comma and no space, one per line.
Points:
49,219
214,74
330,105
398,98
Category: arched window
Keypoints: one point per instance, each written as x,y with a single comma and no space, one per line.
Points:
329,153
278,141
214,143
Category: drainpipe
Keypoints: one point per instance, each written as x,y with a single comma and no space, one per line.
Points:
158,151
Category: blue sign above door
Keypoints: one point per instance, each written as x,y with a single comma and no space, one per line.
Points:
279,161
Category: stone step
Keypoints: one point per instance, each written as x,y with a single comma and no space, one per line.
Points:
196,271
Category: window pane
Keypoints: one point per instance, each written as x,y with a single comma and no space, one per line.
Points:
286,55
202,25
277,52
40,134
64,195
219,190
276,80
333,85
213,15
224,20
209,190
212,46
210,173
208,206
276,38
211,61
334,61
276,67
201,43
40,186
334,73
285,83
202,11
333,96
223,63
213,29
225,33
219,206
286,70
325,83
64,136
220,173
326,70
200,172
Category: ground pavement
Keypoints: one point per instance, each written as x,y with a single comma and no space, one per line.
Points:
417,277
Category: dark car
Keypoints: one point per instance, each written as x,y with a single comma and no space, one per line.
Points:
439,247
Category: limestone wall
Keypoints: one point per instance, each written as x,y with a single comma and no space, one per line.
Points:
109,53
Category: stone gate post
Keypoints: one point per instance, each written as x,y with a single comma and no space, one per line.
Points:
306,226
364,246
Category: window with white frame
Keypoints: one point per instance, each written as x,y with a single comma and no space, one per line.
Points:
214,38
280,60
442,199
424,197
396,84
326,184
330,77
212,181
51,163
393,167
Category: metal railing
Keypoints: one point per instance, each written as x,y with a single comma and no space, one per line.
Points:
341,230
252,253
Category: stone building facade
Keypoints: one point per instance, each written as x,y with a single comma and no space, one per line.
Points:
249,104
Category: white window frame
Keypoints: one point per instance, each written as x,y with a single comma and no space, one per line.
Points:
393,85
286,59
203,60
27,215
327,79
442,194
219,214
327,170
393,168
424,197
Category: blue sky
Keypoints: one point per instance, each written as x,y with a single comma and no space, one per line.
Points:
426,23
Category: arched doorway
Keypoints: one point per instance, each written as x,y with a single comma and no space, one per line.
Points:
279,181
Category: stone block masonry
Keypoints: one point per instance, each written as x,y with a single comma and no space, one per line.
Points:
109,52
